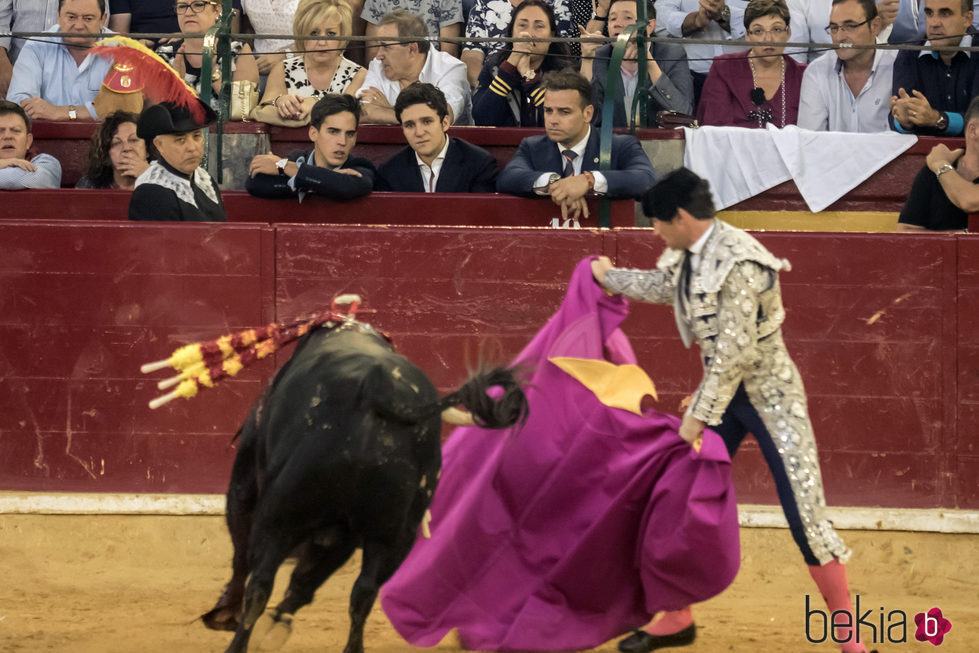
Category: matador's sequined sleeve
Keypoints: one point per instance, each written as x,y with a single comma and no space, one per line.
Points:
736,340
645,285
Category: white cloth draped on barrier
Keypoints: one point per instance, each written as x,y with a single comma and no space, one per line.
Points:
740,163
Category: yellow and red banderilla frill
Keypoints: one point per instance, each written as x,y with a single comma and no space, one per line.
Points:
203,364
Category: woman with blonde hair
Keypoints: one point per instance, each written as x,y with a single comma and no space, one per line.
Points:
318,68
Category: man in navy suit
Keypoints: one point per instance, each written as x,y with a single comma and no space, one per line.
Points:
434,162
328,169
563,163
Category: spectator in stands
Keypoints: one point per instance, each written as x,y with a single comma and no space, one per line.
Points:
117,155
701,19
56,78
152,16
910,19
848,90
670,84
16,170
509,92
750,89
442,19
494,19
21,16
933,88
186,55
294,86
328,169
270,17
399,63
175,187
434,162
944,193
809,23
563,163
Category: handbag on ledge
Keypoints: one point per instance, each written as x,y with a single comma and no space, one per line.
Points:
244,98
675,120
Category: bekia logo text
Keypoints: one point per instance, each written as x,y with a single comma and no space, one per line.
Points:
876,627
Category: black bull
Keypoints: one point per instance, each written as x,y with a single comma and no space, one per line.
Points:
341,451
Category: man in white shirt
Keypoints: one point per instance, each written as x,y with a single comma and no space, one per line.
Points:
849,90
400,63
17,172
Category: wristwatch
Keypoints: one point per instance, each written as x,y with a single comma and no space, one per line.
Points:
281,165
724,19
72,114
942,169
942,122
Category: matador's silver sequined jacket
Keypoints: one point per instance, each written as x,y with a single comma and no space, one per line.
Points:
734,304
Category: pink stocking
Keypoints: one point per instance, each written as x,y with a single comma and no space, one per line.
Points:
831,581
671,622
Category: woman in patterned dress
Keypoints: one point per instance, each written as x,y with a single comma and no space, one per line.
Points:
320,67
185,56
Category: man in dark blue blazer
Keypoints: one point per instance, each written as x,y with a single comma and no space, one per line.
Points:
328,170
563,163
434,162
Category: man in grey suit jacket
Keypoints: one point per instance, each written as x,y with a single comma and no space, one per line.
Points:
670,84
563,163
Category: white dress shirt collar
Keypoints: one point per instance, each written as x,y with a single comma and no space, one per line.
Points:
430,173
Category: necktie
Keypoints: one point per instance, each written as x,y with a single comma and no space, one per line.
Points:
685,274
569,157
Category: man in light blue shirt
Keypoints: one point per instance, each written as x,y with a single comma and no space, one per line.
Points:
17,172
849,90
57,78
701,19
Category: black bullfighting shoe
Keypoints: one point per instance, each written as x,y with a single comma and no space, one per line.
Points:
642,642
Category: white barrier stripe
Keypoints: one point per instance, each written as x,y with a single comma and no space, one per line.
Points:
934,520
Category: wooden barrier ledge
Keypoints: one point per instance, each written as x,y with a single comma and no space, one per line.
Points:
469,209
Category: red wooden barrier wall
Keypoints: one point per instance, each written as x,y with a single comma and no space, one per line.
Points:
883,328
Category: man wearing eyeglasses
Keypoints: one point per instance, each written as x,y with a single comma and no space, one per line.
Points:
56,78
849,90
400,63
932,88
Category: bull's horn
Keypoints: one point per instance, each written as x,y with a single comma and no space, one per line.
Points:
458,417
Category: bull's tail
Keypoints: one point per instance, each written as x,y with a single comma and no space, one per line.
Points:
507,409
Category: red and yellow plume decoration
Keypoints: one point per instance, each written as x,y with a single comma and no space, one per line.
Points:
203,364
160,82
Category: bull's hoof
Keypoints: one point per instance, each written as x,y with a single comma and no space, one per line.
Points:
221,618
271,632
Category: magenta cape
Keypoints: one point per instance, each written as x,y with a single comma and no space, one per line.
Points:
578,526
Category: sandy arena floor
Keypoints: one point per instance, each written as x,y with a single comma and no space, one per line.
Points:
114,584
